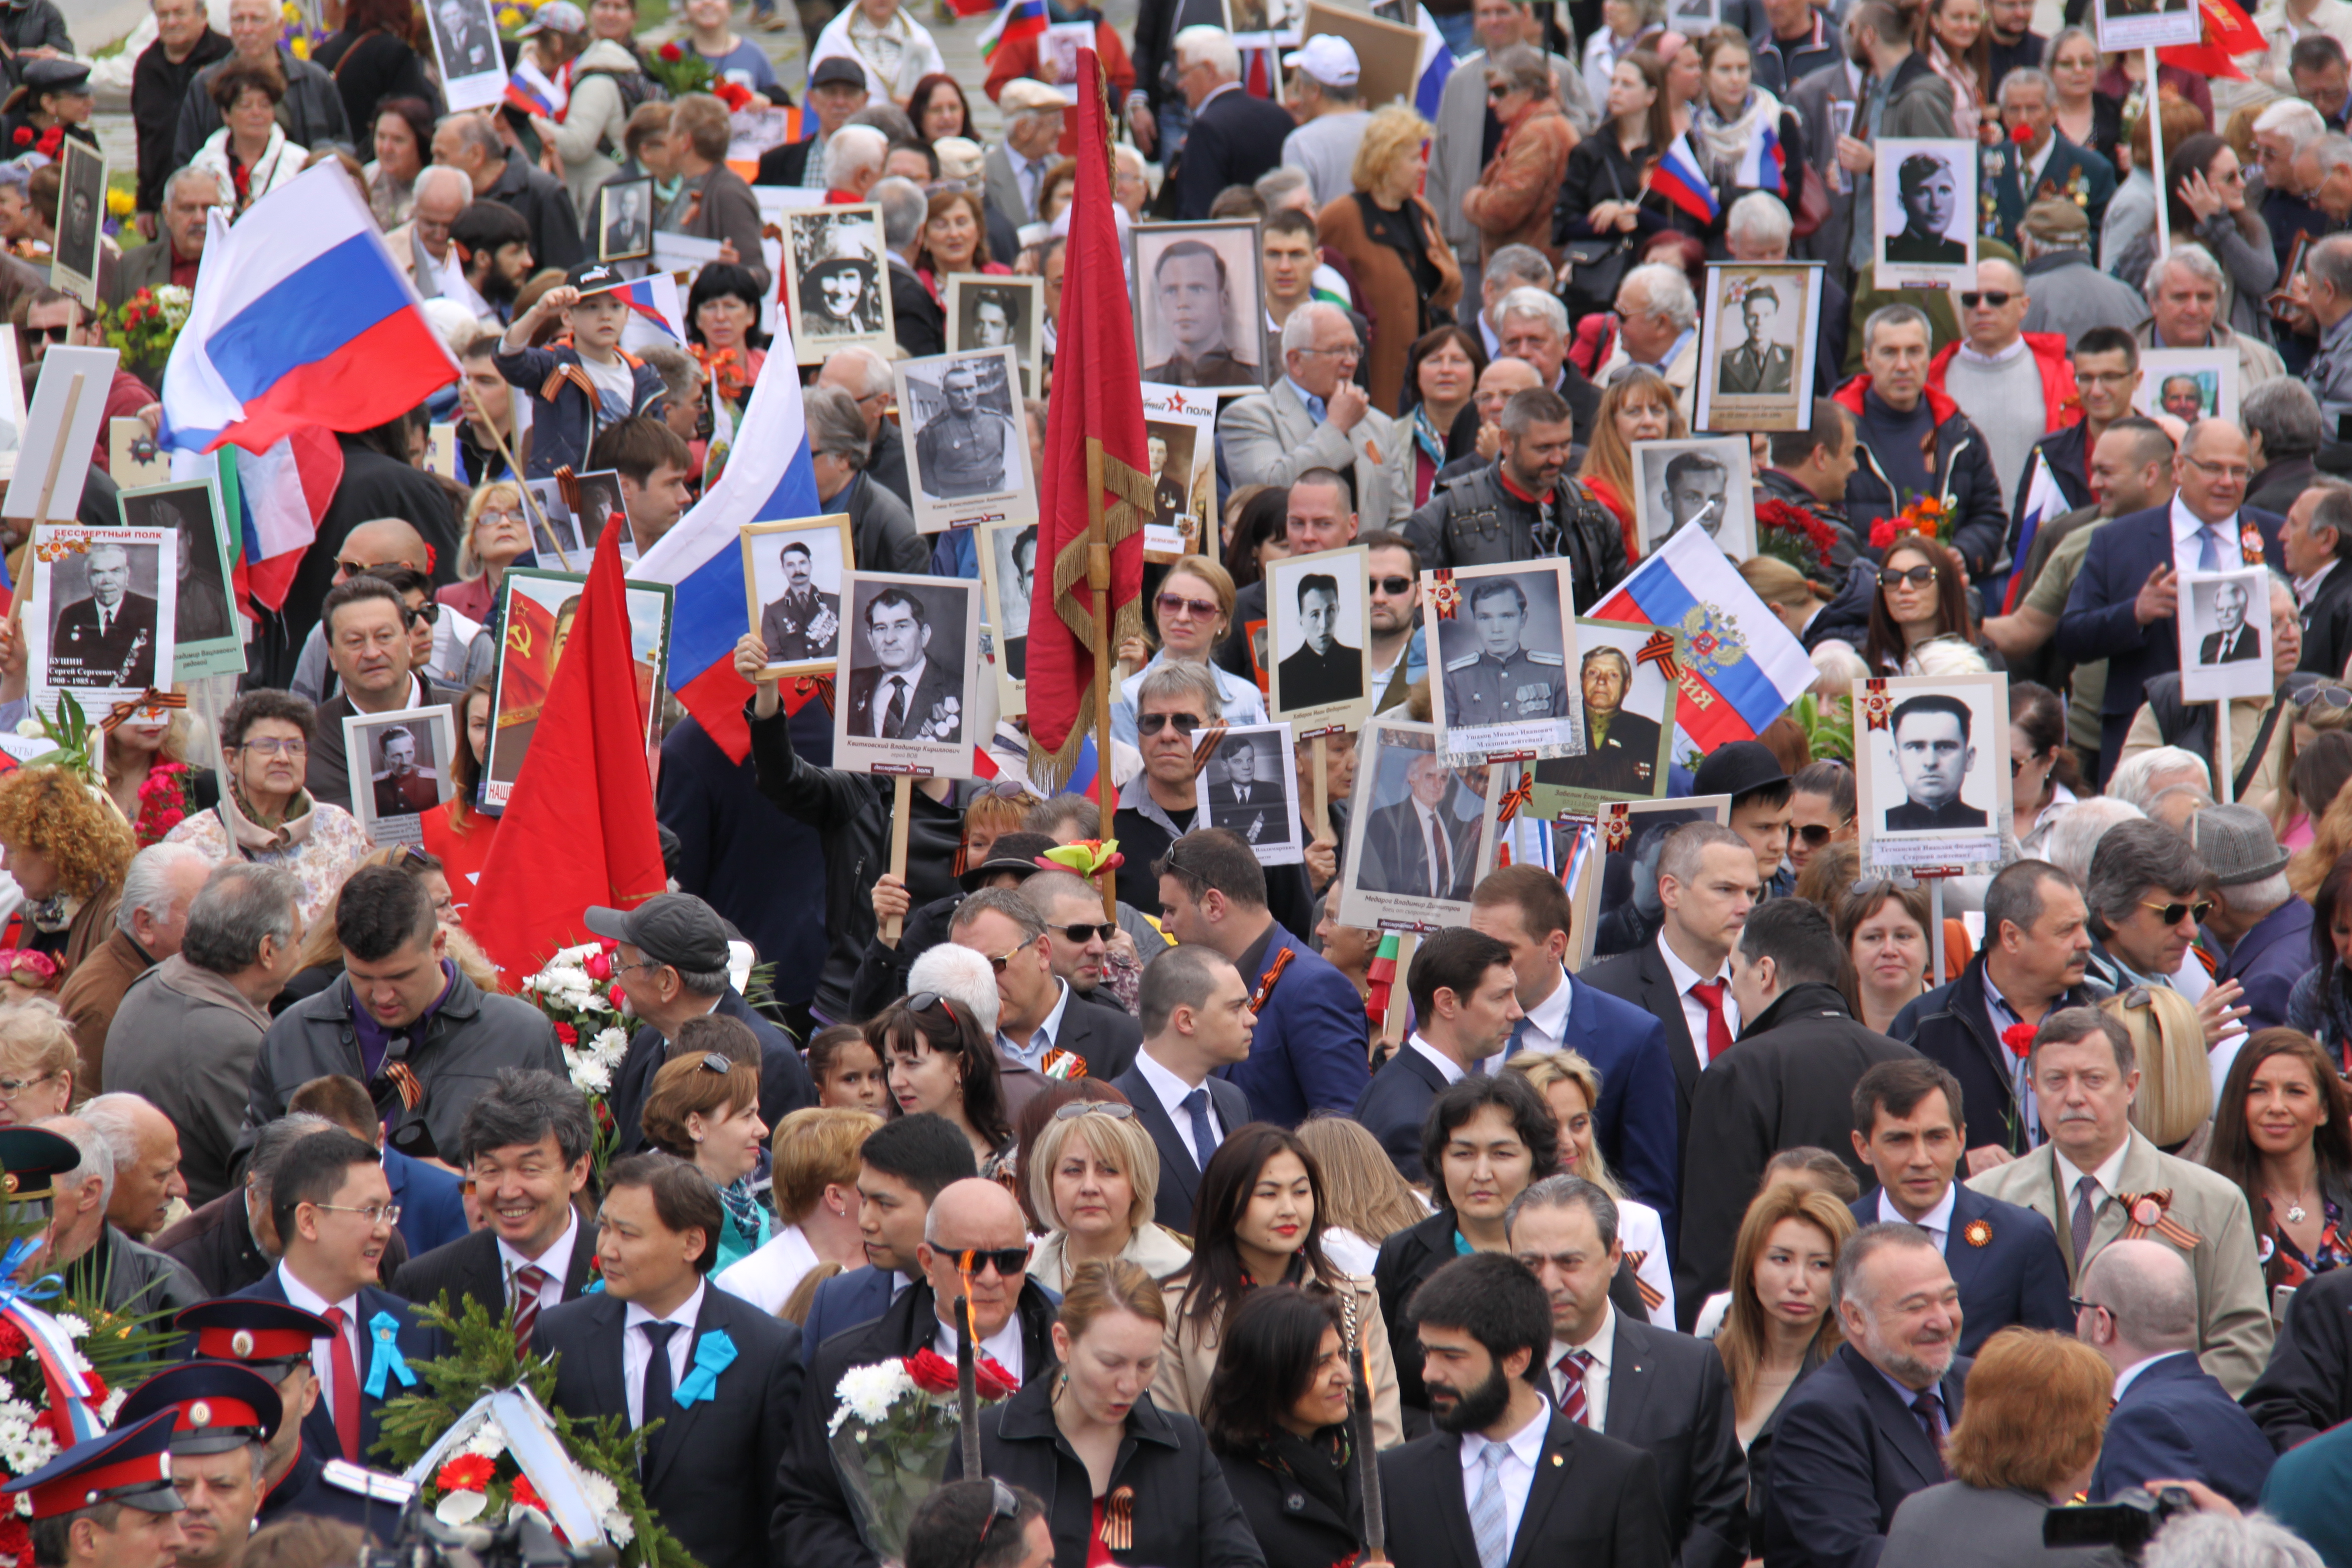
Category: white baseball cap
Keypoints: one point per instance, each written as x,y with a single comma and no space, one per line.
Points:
1328,58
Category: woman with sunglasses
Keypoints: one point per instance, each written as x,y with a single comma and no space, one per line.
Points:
2320,1004
2282,1131
1920,598
1884,929
1277,1421
1194,609
2042,770
1093,1175
704,1108
498,534
939,1060
1126,1479
2320,710
1260,1217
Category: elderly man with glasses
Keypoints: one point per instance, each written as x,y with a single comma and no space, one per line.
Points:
1045,1025
1316,416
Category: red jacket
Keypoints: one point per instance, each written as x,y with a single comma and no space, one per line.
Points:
2059,399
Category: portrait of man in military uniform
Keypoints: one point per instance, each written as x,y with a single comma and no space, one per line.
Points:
966,448
1762,364
1017,576
1933,757
1323,669
1928,200
106,638
1503,681
403,785
1620,747
1188,304
802,622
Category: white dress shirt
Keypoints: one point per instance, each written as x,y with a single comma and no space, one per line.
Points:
1515,1474
556,1260
1172,1092
1936,1222
1031,1052
1695,1010
1547,1022
2131,1373
1596,1376
2070,1180
884,691
1445,1063
2188,549
2307,588
323,1352
1002,1347
768,1277
637,1349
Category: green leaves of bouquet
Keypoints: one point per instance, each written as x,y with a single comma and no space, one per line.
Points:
71,734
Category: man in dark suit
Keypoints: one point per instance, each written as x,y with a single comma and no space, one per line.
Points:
526,1145
800,623
1323,669
1418,847
1465,999
659,1344
1196,1021
2123,604
836,90
1482,1321
1789,1081
109,637
902,1167
813,1524
1042,1025
2004,1259
1236,137
904,692
2317,537
1867,1429
1243,802
329,1203
1933,756
2232,640
1621,749
2172,1419
1665,1393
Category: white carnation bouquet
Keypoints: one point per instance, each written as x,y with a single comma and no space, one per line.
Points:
892,1431
581,997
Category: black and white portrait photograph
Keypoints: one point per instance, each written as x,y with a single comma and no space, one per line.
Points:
2224,625
1318,654
834,277
624,220
2188,384
1932,781
1008,576
1249,784
600,503
1200,311
2148,23
205,636
82,210
1419,833
1615,902
910,674
1502,654
107,615
1180,428
1694,18
1706,482
11,411
1627,720
406,758
556,540
967,443
46,428
1925,208
792,579
1758,327
1000,314
466,40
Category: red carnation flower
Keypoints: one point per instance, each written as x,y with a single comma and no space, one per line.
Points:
16,1540
2019,1039
672,53
567,1033
1882,533
2021,135
23,136
13,1343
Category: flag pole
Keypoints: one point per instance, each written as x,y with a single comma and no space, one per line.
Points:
1098,591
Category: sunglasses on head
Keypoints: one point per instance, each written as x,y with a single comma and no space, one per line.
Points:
2170,913
1394,587
1004,1505
1917,576
1118,1111
1008,1261
924,1001
717,1062
1079,933
1900,882
2325,696
1152,724
1970,299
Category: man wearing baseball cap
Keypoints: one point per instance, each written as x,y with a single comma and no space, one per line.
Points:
108,1502
672,966
1323,75
836,90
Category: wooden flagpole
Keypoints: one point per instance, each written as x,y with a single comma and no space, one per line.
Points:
1098,588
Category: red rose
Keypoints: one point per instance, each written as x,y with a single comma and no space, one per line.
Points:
1882,533
671,53
23,136
567,1033
16,1540
599,966
615,998
932,1372
993,1381
2019,1039
13,1343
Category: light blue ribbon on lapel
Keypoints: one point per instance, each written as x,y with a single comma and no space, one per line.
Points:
713,1354
386,1357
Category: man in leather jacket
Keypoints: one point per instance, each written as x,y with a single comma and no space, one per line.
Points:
1523,508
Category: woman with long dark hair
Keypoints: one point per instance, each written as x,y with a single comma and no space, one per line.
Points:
403,142
940,1061
1260,1217
2282,1131
1259,535
939,109
1277,1421
1921,599
1606,189
1957,46
2320,1004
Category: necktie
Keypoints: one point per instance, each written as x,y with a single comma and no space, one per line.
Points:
2087,1208
1719,1029
1929,1407
1490,1526
2209,549
1572,1370
347,1388
896,719
1518,1033
658,1403
1440,860
529,1281
1204,1137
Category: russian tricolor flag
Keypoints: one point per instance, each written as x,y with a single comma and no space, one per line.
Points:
522,95
1735,666
1015,20
1677,178
654,299
1433,64
2044,501
1762,165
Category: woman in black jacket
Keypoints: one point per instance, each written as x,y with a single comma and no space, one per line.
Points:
1605,192
1277,1420
1111,1467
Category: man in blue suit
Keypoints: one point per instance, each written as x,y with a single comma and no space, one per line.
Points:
2004,1259
1309,1051
1526,910
333,1211
902,1167
2124,601
2172,1420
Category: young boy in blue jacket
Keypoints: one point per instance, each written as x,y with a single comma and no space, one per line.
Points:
581,382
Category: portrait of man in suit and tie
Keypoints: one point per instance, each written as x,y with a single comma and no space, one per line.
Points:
1934,757
2222,606
1250,782
1418,847
102,635
1704,483
627,234
1015,550
899,690
1320,668
1200,302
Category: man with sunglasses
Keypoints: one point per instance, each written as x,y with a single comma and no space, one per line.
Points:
368,627
2014,385
1045,1031
57,317
1392,617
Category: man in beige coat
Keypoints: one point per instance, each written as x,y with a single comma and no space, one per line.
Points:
2097,1180
1315,416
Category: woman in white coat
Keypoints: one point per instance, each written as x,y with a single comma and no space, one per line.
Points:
250,155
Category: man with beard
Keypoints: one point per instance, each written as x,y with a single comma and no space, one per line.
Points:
1523,1467
1873,1418
492,245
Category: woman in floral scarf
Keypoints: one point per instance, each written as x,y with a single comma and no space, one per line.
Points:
1731,111
723,331
704,1107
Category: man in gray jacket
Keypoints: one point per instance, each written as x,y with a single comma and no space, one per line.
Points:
189,1028
403,1019
1904,97
98,1262
311,111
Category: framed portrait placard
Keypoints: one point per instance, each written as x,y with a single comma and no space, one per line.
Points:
205,639
1421,834
791,587
2188,384
1628,712
465,43
81,212
909,686
1318,655
836,277
1923,200
967,440
1008,576
1503,656
406,758
102,616
2148,24
1758,327
1615,904
1931,773
2224,626
536,608
625,224
1180,427
1000,314
1707,481
1249,784
1200,312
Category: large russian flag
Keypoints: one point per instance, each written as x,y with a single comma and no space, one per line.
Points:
768,475
1735,666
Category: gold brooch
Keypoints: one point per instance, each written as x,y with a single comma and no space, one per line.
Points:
1976,1233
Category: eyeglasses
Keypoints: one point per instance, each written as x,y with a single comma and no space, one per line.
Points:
1496,90
2170,913
1004,1505
1345,351
1900,882
2138,996
2219,470
641,963
1199,609
998,961
1118,1111
1394,587
269,747
10,1088
1000,789
1079,933
1152,724
2327,696
1970,299
1008,1261
353,568
500,516
374,1214
2016,768
2081,1306
1917,576
429,611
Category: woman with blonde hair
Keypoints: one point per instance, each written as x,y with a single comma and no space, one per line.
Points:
1093,1174
1571,1086
1193,610
149,777
1780,1324
1407,279
1365,1199
2026,1441
1731,109
68,850
704,1108
37,1055
813,1186
2174,1107
2307,789
1638,407
496,532
1783,588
